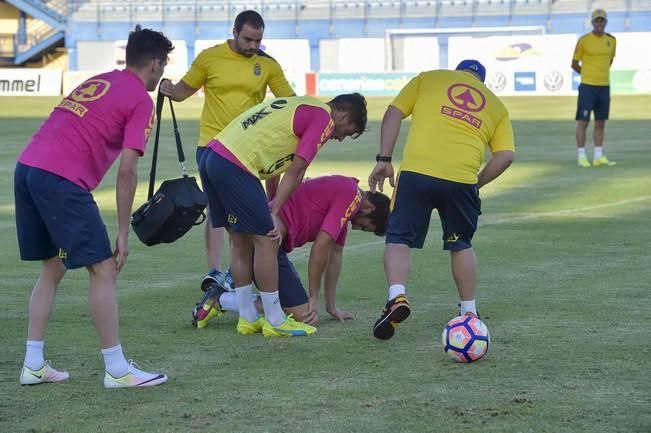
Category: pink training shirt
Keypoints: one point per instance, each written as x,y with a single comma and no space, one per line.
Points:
320,204
309,123
87,131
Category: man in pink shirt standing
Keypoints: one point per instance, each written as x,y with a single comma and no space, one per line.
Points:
57,219
319,212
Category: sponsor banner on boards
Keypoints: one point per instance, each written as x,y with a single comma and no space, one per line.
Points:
371,84
521,64
30,82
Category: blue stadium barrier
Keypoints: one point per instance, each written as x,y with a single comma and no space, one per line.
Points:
522,13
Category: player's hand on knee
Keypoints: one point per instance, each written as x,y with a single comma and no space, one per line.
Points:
274,234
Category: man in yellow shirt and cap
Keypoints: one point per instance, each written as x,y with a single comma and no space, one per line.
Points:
593,55
455,119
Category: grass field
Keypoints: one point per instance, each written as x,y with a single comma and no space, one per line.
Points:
563,286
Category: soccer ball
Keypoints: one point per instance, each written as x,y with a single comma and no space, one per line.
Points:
465,339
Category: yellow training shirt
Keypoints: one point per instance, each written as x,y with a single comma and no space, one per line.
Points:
454,117
595,53
232,84
262,138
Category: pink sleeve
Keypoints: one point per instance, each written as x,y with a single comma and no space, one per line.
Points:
342,209
139,126
313,126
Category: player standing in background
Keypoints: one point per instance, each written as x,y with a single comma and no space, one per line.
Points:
454,117
593,55
278,136
57,219
234,76
319,212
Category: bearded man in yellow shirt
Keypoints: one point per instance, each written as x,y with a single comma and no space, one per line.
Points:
455,117
235,76
593,55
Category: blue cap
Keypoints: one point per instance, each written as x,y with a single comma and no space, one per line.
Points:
474,66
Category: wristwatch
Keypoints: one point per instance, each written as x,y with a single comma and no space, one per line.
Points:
380,158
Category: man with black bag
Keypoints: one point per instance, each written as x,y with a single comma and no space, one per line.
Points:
235,76
57,219
178,203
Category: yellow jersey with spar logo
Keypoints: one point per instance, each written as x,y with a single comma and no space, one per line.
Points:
596,53
232,83
263,138
454,118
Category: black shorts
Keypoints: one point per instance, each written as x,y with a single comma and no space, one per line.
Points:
415,197
236,199
290,289
593,98
55,216
201,150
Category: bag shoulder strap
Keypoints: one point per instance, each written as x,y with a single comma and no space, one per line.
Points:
152,174
179,145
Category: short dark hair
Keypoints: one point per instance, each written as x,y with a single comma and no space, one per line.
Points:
251,18
355,105
380,215
145,45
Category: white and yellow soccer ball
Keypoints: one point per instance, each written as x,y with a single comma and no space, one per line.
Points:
465,339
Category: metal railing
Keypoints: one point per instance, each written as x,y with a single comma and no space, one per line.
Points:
11,46
210,10
56,9
7,44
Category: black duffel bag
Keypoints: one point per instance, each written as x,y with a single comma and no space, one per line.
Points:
176,206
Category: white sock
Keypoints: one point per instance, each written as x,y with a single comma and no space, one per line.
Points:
34,359
581,151
246,307
468,306
396,290
273,312
115,362
598,152
229,302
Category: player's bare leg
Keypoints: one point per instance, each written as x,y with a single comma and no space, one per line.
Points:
103,302
265,263
581,127
598,133
397,264
464,266
214,239
42,299
35,369
102,297
464,271
600,159
242,272
241,259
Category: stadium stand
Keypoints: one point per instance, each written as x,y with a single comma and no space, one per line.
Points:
190,20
